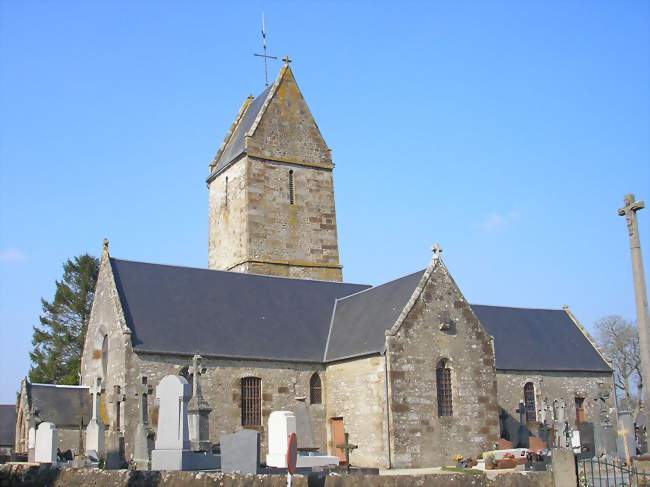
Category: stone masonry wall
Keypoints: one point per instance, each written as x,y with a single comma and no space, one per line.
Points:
227,218
293,240
357,393
282,383
420,438
557,385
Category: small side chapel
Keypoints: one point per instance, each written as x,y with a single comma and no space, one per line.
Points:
411,370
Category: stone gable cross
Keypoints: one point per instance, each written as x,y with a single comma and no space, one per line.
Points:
437,250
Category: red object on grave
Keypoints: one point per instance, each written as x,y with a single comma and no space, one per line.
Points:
292,453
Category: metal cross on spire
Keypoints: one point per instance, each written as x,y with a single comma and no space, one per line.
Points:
264,55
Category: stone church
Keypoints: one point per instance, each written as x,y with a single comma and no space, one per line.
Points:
412,371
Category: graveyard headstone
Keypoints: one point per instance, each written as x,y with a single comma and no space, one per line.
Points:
114,456
198,410
47,441
626,441
240,452
172,451
141,441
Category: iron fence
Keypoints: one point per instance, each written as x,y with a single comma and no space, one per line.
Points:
595,472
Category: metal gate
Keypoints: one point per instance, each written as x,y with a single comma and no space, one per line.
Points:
594,472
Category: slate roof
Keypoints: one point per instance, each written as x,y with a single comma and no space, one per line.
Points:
538,339
7,425
236,144
186,310
360,321
183,310
61,405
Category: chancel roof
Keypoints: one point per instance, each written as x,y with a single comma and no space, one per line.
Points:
181,310
61,405
7,425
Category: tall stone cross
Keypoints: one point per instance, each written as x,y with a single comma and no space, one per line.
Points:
347,447
114,458
198,410
640,292
96,389
141,442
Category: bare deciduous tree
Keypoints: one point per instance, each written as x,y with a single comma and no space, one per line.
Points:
619,341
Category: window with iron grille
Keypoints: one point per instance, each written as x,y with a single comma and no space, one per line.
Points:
315,390
291,187
443,384
529,402
251,402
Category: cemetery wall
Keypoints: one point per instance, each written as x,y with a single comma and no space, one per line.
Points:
282,383
25,475
227,218
440,326
357,393
558,385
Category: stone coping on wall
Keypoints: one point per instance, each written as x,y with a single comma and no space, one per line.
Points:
29,475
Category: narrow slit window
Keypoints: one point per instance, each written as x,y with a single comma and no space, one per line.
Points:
251,402
443,385
529,402
315,390
291,188
226,193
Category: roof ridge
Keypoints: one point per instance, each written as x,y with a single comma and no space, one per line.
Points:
267,101
237,273
516,307
380,285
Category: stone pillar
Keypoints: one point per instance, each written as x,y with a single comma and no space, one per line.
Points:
563,462
640,292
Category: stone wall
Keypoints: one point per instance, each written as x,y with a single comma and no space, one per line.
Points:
357,393
415,347
559,385
27,476
282,383
228,218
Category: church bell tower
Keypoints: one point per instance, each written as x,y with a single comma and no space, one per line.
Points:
271,190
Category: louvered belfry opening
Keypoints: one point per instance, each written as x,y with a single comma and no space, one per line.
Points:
291,188
443,383
529,402
251,404
315,390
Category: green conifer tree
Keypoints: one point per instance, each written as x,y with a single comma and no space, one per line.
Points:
59,339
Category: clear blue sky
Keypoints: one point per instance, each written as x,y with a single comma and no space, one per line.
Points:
507,131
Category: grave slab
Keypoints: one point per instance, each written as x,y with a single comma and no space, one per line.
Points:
240,452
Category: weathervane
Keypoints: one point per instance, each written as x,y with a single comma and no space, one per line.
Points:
264,55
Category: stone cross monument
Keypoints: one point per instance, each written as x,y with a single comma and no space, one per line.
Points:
141,443
114,447
198,410
95,428
640,293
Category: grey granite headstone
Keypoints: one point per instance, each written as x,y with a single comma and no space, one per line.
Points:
626,443
240,452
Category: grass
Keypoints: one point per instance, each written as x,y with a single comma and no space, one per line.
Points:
470,471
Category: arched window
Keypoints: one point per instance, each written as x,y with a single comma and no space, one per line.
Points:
443,384
251,402
529,401
105,357
315,390
291,187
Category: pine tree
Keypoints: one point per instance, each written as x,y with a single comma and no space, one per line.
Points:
59,339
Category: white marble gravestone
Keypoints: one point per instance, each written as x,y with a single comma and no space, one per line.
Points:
281,425
172,451
47,440
95,428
